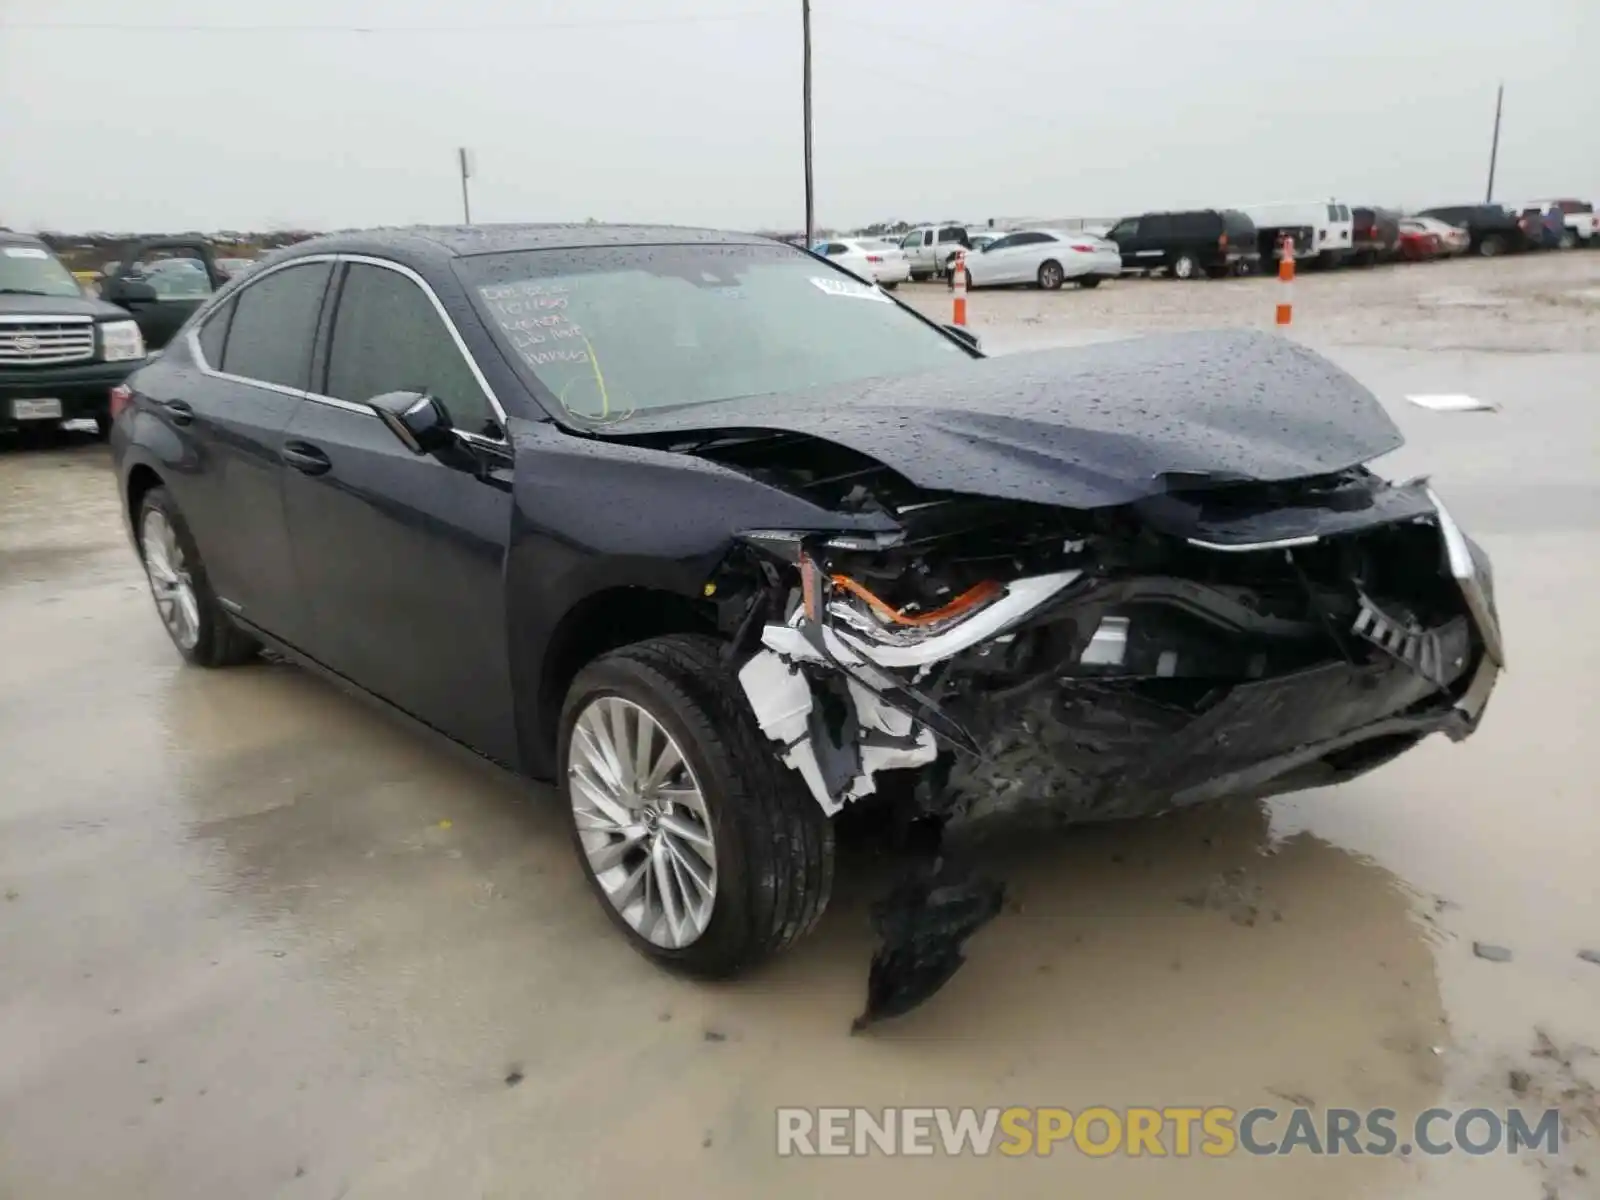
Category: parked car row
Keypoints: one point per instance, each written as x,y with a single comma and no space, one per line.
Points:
1216,242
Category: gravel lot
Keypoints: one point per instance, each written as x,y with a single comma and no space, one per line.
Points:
256,940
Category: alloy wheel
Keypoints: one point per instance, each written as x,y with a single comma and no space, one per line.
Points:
170,583
1050,276
642,822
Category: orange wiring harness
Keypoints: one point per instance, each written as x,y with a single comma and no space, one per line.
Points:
970,598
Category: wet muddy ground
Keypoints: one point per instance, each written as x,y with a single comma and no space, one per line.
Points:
258,940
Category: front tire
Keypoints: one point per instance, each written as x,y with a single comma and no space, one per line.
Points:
1491,246
1051,276
189,610
711,856
1185,267
1090,281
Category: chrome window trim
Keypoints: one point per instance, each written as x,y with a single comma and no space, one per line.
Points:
48,318
193,336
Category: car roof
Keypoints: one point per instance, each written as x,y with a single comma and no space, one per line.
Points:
463,241
11,238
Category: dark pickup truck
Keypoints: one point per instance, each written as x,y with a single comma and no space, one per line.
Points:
1493,230
61,351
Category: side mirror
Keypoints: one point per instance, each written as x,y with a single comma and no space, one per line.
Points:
119,289
964,334
416,418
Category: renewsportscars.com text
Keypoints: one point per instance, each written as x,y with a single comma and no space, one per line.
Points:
1171,1131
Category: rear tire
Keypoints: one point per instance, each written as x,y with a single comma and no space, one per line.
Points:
193,617
1090,281
889,287
1569,239
1491,246
1051,276
772,844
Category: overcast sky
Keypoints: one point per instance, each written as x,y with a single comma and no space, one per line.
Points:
688,111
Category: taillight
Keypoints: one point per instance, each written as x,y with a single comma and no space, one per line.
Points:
1082,249
1222,242
874,258
121,397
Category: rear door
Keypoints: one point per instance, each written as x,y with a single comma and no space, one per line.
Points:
402,556
253,361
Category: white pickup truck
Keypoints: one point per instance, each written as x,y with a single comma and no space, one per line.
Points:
1578,216
929,248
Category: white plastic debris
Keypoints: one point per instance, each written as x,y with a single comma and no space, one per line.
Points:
1452,402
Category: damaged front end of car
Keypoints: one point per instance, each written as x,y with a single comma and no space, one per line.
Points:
1203,643
1120,662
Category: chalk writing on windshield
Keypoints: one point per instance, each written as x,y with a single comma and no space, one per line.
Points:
534,318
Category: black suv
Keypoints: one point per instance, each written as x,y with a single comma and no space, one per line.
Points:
1216,242
1493,229
61,352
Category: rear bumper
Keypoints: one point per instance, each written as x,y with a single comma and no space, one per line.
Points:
84,389
1106,265
892,272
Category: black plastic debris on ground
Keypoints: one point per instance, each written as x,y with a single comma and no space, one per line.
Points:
922,924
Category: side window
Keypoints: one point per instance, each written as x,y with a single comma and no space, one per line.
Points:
927,237
834,249
911,240
388,337
214,335
274,322
950,234
1155,227
1188,225
1123,230
1004,243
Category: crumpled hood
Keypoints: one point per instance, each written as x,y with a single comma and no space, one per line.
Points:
1085,427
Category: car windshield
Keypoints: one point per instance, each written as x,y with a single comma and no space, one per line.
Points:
34,271
612,331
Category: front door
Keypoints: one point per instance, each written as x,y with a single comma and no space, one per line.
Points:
402,556
1125,234
161,282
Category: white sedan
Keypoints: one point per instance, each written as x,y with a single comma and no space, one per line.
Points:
1046,257
874,260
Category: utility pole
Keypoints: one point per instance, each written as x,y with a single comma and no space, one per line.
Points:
805,101
464,157
1494,146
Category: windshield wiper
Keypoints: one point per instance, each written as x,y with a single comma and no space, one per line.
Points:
29,292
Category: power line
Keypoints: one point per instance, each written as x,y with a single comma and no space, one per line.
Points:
503,27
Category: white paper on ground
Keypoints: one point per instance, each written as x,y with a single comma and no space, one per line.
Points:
1452,402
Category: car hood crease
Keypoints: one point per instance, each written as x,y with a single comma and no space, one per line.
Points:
1084,427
